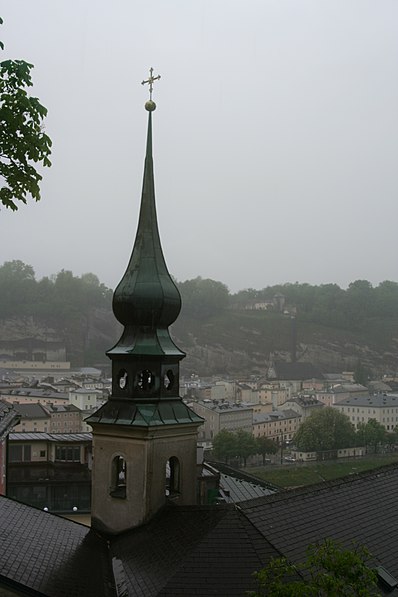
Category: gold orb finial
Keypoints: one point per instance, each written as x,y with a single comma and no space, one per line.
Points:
150,106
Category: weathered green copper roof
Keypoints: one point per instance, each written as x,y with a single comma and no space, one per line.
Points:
144,341
145,360
154,414
147,295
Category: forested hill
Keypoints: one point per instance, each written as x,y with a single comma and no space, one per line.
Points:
221,332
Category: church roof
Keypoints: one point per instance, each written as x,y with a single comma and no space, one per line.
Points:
359,508
296,371
237,485
199,550
8,418
147,295
147,414
49,555
192,550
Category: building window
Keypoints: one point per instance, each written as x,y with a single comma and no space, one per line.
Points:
67,453
21,453
42,453
119,476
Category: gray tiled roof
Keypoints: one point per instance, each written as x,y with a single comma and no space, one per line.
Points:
371,401
351,388
62,408
34,393
276,415
361,508
237,485
8,418
51,555
199,550
53,437
32,411
306,401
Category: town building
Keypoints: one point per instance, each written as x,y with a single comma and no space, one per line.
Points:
346,390
303,404
50,418
65,418
62,385
33,417
85,399
381,407
222,415
292,375
273,393
29,395
33,354
50,470
247,394
352,452
278,425
222,390
32,349
261,408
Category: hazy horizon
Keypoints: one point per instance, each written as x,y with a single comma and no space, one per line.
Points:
51,275
275,138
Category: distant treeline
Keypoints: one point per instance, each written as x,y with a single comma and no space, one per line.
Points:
64,295
326,304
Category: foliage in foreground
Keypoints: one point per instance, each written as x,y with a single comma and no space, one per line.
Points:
22,139
329,570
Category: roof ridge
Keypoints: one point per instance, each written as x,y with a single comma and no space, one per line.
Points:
321,486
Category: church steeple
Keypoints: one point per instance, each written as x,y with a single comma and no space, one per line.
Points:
146,302
147,295
145,428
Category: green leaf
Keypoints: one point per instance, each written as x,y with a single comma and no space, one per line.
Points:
22,139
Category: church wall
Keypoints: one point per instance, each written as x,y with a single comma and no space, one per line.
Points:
3,466
146,456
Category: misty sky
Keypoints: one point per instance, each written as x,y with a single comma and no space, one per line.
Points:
275,137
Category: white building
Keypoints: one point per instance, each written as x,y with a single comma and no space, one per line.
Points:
85,399
360,409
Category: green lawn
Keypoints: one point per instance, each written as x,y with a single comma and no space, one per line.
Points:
295,475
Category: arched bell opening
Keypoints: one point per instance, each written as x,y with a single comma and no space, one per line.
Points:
173,474
119,477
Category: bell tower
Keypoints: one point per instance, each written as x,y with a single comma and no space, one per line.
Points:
144,436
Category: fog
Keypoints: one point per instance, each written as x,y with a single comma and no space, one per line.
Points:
275,137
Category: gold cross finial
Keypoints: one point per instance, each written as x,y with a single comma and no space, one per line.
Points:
150,81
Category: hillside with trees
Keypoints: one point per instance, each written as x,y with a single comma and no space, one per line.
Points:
337,329
73,310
